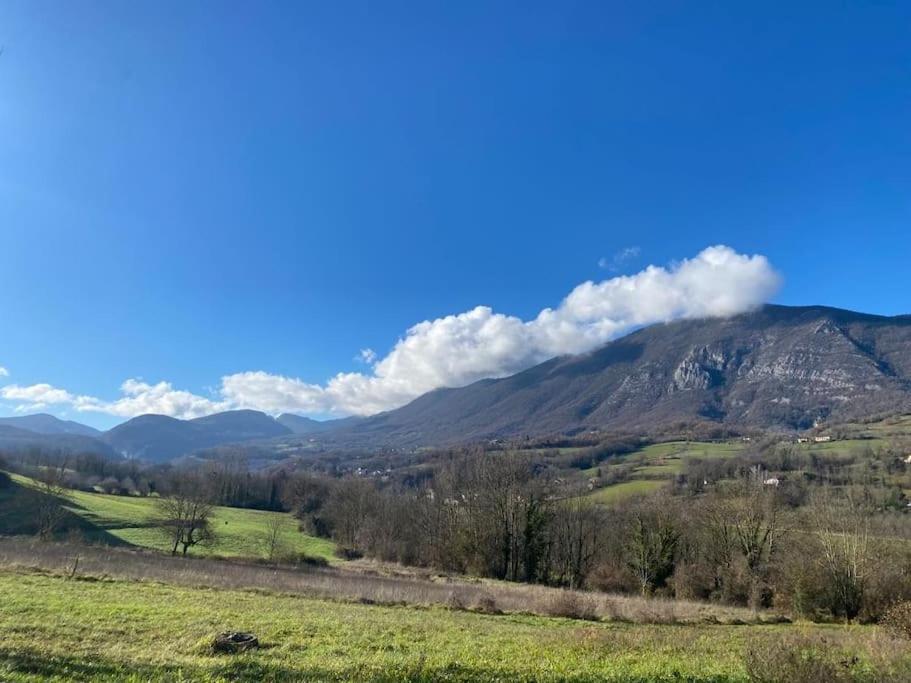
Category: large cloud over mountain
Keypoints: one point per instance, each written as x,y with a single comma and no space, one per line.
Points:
459,349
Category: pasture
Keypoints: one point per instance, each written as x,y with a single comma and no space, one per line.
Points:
125,520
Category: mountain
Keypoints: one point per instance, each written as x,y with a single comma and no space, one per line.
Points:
299,424
306,425
159,438
42,423
777,367
18,440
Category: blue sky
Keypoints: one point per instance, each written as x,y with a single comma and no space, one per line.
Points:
190,191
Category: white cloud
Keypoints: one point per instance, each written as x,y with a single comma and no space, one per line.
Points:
614,262
459,349
4,372
367,356
138,398
36,394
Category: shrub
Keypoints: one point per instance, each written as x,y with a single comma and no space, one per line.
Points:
795,661
349,553
802,659
486,604
897,620
455,601
572,605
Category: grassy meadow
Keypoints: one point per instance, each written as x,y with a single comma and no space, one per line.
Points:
112,630
655,466
125,520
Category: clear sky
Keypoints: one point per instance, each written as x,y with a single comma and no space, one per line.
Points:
259,191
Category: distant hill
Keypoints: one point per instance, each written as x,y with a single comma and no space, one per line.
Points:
306,425
159,438
42,423
17,440
778,367
299,424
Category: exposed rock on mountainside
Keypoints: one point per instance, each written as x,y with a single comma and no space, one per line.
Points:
778,367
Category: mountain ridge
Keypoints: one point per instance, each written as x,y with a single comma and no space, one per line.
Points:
776,367
160,437
42,423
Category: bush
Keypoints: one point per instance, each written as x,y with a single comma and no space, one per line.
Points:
572,605
303,559
455,602
349,553
486,604
795,661
801,659
897,620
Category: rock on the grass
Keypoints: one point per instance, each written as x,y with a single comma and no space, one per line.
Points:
234,641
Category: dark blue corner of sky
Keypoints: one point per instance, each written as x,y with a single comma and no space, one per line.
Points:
191,189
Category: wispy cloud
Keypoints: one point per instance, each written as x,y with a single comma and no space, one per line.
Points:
4,372
458,349
615,262
367,356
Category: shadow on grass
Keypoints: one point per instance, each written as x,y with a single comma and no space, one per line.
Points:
19,506
250,667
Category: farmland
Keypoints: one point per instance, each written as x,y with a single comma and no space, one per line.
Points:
653,467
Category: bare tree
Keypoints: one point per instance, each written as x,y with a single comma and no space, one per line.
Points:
652,540
576,531
185,515
843,529
738,537
52,494
273,543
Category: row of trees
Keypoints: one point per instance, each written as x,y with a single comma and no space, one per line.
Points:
742,542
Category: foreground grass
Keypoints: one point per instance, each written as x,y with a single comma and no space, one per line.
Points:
240,532
102,630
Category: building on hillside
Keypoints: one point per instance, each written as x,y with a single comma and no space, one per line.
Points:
822,439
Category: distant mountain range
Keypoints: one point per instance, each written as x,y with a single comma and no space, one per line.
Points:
43,423
48,433
157,438
778,367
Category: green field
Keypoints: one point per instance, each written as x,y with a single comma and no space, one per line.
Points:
124,519
661,463
626,489
690,449
107,630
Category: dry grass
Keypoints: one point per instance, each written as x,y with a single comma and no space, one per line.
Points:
818,658
362,585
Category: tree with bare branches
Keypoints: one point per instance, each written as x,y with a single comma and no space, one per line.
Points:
185,515
52,494
842,527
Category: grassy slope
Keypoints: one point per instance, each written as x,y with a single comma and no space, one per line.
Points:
60,630
625,489
241,533
663,462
